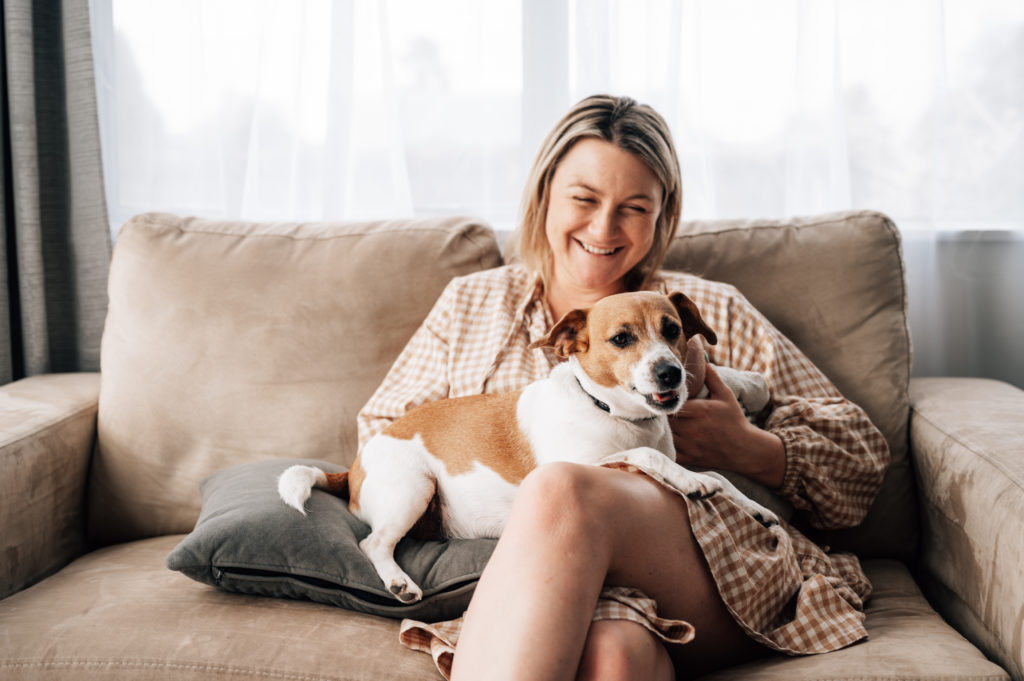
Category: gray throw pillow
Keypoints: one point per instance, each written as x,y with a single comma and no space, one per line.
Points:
247,540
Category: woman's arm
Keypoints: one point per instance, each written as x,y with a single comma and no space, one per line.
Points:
715,433
817,449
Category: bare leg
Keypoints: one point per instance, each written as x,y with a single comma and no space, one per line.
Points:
574,529
622,650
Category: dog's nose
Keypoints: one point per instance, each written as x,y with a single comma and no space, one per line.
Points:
669,375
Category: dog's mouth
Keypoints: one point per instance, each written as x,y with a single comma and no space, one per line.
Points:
665,401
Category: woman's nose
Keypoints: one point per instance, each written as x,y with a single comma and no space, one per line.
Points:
604,222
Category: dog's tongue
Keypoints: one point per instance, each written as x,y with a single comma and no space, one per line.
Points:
666,397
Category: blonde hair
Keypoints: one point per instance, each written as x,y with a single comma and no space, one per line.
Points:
634,127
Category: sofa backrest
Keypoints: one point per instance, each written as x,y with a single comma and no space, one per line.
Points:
227,342
835,286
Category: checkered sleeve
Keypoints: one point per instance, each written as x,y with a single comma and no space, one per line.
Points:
835,456
418,376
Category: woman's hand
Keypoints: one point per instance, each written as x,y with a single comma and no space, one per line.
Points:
714,433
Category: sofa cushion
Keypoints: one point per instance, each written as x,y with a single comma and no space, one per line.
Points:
119,613
248,540
835,286
228,342
907,640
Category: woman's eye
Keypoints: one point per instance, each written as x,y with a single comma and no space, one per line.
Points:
583,199
622,340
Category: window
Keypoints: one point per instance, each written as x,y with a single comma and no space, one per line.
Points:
360,109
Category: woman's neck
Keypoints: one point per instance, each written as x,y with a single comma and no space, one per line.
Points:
562,300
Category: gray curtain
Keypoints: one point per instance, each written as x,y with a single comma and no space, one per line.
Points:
56,240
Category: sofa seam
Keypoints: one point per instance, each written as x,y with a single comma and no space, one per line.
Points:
418,230
781,224
87,663
332,577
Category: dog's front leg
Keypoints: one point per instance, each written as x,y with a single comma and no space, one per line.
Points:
650,460
762,514
749,387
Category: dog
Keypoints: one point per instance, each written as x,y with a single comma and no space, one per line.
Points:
610,401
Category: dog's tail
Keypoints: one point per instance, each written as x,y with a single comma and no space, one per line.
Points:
297,482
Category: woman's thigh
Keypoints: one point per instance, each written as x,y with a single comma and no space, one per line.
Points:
654,550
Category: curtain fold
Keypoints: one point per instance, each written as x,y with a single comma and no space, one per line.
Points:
56,239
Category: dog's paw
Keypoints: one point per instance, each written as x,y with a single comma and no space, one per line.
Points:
766,518
405,590
297,483
756,510
759,512
698,485
379,547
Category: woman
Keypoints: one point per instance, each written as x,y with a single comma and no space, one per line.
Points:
600,209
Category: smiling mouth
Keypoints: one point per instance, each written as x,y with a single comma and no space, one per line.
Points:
665,401
594,250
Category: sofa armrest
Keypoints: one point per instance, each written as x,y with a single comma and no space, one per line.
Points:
47,430
967,440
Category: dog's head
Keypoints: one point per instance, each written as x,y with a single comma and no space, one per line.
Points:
629,350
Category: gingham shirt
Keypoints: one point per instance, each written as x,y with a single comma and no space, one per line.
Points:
783,589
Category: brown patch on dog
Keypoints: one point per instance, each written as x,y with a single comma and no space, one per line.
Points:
337,484
465,430
356,475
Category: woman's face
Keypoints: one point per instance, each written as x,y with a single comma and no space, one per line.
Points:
603,206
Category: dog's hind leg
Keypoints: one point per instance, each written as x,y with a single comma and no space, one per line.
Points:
394,494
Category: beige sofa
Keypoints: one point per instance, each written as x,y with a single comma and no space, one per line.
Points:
231,342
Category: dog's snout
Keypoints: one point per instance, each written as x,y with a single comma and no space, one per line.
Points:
669,375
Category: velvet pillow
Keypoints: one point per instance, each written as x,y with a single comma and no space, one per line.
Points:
247,540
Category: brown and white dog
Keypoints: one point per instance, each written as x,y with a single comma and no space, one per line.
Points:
610,401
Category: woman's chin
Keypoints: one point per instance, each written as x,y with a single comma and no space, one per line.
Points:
603,277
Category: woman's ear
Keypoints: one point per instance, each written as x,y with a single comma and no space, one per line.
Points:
689,315
567,336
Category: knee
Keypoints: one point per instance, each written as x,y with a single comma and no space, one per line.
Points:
560,495
620,650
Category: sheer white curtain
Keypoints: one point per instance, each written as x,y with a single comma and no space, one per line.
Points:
350,109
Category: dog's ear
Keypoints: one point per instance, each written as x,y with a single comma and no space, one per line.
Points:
693,323
569,335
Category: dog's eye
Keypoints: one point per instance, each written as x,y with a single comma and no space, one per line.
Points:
671,330
622,340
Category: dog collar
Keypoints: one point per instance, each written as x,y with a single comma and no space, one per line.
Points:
603,406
